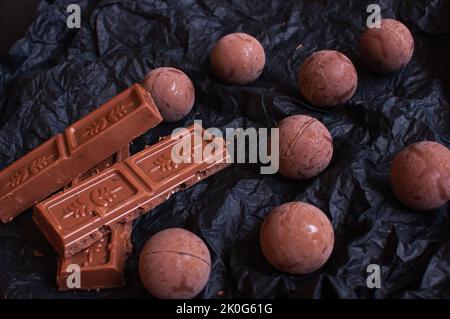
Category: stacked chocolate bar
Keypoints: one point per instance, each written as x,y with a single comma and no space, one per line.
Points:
89,222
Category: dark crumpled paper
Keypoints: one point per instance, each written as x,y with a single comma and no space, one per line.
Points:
54,76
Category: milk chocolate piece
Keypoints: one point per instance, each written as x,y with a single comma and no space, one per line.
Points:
297,238
238,58
387,48
83,145
77,217
174,264
420,175
327,78
102,263
121,155
173,92
306,147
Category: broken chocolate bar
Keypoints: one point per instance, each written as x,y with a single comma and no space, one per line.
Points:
83,145
74,219
100,265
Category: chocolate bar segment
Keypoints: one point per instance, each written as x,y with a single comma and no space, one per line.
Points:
76,218
101,265
83,145
117,157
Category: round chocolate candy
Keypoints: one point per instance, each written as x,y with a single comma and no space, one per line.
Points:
420,175
388,48
297,238
238,58
306,147
172,91
327,78
174,264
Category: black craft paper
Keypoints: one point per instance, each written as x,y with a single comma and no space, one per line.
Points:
55,75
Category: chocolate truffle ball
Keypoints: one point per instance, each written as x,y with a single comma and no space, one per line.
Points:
174,264
297,238
327,78
420,175
238,58
388,48
306,147
172,91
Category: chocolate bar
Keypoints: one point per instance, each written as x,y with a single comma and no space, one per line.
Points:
101,264
74,219
83,145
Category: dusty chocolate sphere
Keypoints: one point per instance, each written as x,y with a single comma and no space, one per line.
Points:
172,91
388,48
297,238
306,147
327,78
238,58
420,175
174,264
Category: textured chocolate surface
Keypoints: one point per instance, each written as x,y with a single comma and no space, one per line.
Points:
172,91
101,264
306,147
297,238
388,48
83,145
238,58
74,219
420,175
174,263
327,78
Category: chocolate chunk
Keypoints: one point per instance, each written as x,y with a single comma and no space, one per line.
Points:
101,265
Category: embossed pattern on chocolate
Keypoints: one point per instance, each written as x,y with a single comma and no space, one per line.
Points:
83,145
125,190
102,263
